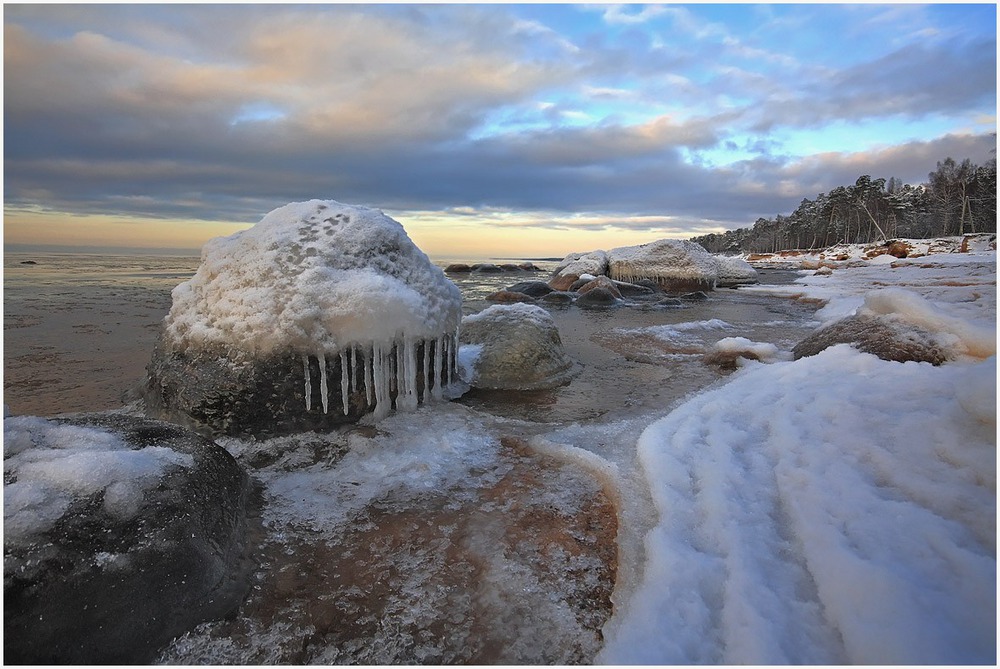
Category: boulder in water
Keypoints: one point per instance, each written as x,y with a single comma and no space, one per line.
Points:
120,533
532,288
734,271
508,297
516,347
677,266
319,314
602,282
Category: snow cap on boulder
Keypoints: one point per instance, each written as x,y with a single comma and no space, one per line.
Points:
734,271
678,266
313,277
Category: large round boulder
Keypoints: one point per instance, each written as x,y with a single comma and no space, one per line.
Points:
677,266
317,315
120,533
515,347
734,271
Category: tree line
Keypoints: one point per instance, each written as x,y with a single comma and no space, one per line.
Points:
957,199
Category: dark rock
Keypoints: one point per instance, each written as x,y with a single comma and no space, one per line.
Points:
457,268
563,281
579,283
508,297
696,296
486,268
530,267
510,267
601,282
669,302
634,290
883,337
557,297
110,583
597,297
533,288
28,262
224,392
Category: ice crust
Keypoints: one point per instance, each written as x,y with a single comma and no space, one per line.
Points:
324,279
662,259
816,512
51,466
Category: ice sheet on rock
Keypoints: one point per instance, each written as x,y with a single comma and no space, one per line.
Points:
50,466
662,259
427,450
835,509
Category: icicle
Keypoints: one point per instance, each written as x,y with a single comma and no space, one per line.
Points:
309,390
369,366
323,392
354,370
382,368
427,370
406,399
447,358
438,372
344,388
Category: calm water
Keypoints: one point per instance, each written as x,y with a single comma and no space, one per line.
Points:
79,329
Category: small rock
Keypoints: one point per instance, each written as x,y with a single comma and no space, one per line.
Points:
597,297
458,268
601,282
532,288
508,297
558,297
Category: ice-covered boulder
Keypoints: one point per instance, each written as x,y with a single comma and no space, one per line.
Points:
320,313
677,266
514,347
576,265
734,271
120,533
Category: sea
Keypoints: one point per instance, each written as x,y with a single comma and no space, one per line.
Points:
79,330
443,537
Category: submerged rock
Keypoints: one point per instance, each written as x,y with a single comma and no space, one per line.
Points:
458,268
532,288
518,348
508,297
119,534
597,297
317,315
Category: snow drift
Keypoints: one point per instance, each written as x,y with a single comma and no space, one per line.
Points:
816,512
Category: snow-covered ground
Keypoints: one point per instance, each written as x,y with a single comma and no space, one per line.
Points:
834,509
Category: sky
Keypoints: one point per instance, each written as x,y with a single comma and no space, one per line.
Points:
486,130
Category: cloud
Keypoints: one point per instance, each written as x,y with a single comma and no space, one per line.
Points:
223,113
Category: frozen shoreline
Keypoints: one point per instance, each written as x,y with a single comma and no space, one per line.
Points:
735,495
835,509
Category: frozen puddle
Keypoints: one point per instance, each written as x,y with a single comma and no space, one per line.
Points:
429,539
